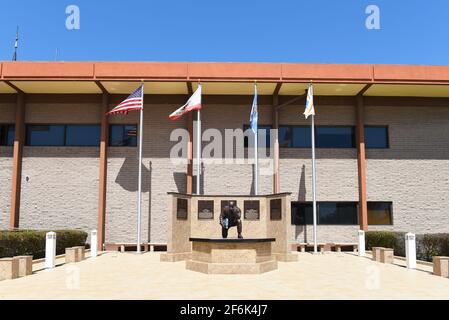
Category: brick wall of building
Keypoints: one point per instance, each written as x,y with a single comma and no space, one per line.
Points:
60,185
414,172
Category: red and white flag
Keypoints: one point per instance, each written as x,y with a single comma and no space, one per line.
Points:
133,102
194,103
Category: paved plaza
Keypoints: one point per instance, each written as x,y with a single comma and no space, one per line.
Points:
132,276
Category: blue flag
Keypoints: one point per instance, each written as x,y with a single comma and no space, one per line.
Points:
254,114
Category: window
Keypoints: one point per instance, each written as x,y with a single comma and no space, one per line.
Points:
380,213
123,135
376,137
328,213
325,137
334,137
45,135
63,135
344,213
302,213
295,136
6,134
82,135
263,129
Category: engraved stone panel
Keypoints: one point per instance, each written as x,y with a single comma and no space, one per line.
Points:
251,209
205,209
181,209
275,209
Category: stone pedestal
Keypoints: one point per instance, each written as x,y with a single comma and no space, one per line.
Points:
441,266
71,255
386,255
80,251
376,253
231,256
25,265
9,268
325,247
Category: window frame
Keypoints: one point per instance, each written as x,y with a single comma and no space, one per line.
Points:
245,138
291,126
391,213
64,125
82,124
123,125
357,207
387,127
5,127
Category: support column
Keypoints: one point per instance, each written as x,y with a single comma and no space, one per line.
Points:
104,137
19,132
275,124
361,163
189,188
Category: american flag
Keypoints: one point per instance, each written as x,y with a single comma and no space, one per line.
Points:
133,102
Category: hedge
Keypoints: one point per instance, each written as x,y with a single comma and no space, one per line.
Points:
427,245
32,242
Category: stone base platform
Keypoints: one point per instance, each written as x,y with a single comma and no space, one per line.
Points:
232,256
174,257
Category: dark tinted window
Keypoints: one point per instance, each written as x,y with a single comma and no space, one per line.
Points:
328,213
121,135
285,135
302,213
338,213
6,134
45,135
380,213
302,137
376,137
10,135
334,137
83,135
263,130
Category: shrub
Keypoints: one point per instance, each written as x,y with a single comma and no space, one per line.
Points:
429,245
32,242
384,239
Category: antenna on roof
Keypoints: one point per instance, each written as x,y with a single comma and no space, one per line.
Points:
16,45
56,54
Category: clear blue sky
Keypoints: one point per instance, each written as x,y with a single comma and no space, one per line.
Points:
324,31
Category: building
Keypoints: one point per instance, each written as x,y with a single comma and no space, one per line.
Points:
382,144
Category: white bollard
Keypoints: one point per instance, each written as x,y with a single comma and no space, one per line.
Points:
410,250
93,243
361,235
50,250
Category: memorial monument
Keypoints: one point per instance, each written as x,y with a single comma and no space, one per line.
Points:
194,234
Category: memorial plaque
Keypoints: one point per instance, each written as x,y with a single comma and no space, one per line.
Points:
181,209
251,209
225,203
275,209
205,209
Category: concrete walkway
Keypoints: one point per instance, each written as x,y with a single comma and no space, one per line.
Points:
131,276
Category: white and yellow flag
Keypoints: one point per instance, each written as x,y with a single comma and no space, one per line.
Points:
310,108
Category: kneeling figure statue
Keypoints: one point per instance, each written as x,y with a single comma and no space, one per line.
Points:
231,217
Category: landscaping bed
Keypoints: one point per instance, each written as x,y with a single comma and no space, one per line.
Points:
427,245
32,242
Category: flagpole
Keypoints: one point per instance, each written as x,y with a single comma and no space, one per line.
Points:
315,250
256,163
198,151
139,197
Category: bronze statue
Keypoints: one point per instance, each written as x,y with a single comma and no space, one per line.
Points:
231,217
